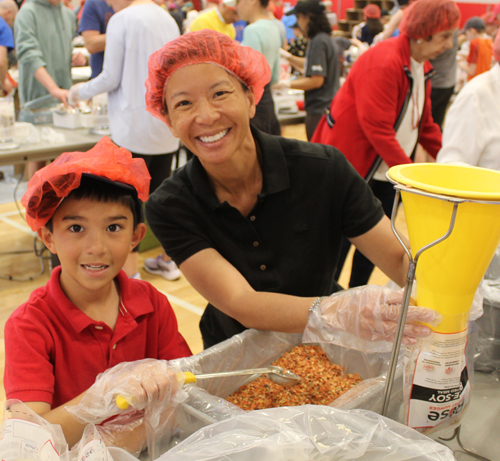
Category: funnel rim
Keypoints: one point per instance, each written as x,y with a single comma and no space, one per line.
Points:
395,176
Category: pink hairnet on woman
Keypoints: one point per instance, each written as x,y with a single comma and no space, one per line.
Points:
255,221
383,111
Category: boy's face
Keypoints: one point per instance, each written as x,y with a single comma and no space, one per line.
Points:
92,240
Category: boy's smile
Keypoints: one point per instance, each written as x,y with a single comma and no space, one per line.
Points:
92,240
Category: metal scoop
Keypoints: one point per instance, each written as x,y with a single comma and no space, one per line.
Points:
276,375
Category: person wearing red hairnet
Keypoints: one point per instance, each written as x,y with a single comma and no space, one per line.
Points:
255,221
90,317
383,111
475,140
373,26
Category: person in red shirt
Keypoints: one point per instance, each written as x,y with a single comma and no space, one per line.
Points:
383,110
87,208
481,48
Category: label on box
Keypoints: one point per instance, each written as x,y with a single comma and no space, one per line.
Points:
441,387
25,440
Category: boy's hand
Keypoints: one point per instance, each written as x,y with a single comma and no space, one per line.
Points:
141,383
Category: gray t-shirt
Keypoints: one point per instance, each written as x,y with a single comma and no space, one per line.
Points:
322,58
445,66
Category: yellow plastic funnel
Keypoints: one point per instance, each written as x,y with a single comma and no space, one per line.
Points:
449,273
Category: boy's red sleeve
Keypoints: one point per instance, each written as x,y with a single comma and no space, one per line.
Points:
29,375
172,344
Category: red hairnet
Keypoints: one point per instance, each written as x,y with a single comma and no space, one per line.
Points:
496,48
372,11
424,18
51,184
202,47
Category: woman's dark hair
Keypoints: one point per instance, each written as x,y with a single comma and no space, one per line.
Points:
318,23
264,3
102,191
374,26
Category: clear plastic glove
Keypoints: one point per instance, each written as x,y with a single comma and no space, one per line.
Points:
74,96
366,318
141,383
285,54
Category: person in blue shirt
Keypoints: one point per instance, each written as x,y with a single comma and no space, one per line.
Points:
8,11
92,27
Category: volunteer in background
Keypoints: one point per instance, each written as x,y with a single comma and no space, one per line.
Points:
321,65
221,18
475,140
383,110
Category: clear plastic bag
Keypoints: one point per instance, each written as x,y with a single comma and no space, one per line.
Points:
308,433
206,402
26,435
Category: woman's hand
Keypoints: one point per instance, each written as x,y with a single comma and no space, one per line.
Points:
366,318
74,96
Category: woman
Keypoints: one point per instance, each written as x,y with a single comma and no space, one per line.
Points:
254,221
373,26
321,65
138,28
475,140
383,111
263,35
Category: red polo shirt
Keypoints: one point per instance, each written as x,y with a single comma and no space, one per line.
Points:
54,352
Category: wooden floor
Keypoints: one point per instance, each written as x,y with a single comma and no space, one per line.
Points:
15,236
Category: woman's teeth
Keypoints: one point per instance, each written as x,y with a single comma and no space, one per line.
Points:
93,268
214,138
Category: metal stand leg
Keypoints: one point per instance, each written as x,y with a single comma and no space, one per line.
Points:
406,296
456,434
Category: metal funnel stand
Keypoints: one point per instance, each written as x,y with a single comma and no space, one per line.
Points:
409,283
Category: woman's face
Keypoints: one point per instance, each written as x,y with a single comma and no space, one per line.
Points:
303,22
209,111
437,45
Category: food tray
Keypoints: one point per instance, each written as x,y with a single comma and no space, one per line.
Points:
90,120
79,120
18,132
67,120
251,349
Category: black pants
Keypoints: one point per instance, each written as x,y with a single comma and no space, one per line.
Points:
440,98
312,121
362,267
159,167
265,116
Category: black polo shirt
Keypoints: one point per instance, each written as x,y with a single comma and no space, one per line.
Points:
290,241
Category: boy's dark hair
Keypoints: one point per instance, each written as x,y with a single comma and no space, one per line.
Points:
103,190
264,3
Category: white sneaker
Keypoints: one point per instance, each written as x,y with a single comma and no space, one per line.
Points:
168,270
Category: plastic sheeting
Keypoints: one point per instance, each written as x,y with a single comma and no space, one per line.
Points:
308,433
487,357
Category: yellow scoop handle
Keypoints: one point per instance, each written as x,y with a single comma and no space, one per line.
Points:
123,402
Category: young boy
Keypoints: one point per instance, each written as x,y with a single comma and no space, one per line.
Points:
480,55
86,208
